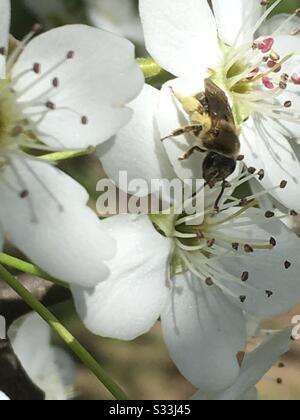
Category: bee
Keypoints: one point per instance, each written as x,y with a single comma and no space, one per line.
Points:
216,134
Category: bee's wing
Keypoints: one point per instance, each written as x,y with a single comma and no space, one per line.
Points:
218,104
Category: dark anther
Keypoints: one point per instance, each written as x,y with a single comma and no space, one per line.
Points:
251,170
248,249
37,68
269,293
84,120
283,184
245,276
287,264
55,82
70,55
261,174
209,281
50,105
24,194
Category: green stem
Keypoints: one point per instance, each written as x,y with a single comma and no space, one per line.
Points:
26,267
64,334
149,67
65,155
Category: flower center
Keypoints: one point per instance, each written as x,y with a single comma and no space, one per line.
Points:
8,115
20,118
252,75
202,239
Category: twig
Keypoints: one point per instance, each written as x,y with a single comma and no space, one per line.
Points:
12,306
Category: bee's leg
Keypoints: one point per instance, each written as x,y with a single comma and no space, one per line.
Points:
194,128
225,184
190,151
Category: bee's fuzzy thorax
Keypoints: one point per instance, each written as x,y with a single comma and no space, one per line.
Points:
224,139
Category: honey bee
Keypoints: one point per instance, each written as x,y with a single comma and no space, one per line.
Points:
215,131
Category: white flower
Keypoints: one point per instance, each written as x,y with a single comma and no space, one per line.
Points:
200,279
260,76
117,16
3,397
48,366
67,88
254,367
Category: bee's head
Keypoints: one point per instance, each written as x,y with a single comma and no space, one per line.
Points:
217,167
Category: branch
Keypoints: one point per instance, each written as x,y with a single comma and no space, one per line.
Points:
13,307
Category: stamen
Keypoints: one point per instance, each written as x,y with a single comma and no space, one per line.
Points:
20,46
286,22
265,16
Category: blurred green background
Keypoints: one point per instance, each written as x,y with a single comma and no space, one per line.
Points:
143,368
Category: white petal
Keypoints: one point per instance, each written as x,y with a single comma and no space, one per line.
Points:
137,148
266,268
129,303
170,117
29,326
180,35
236,21
4,32
265,147
3,397
256,365
275,22
51,368
204,332
285,45
97,83
52,224
250,395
